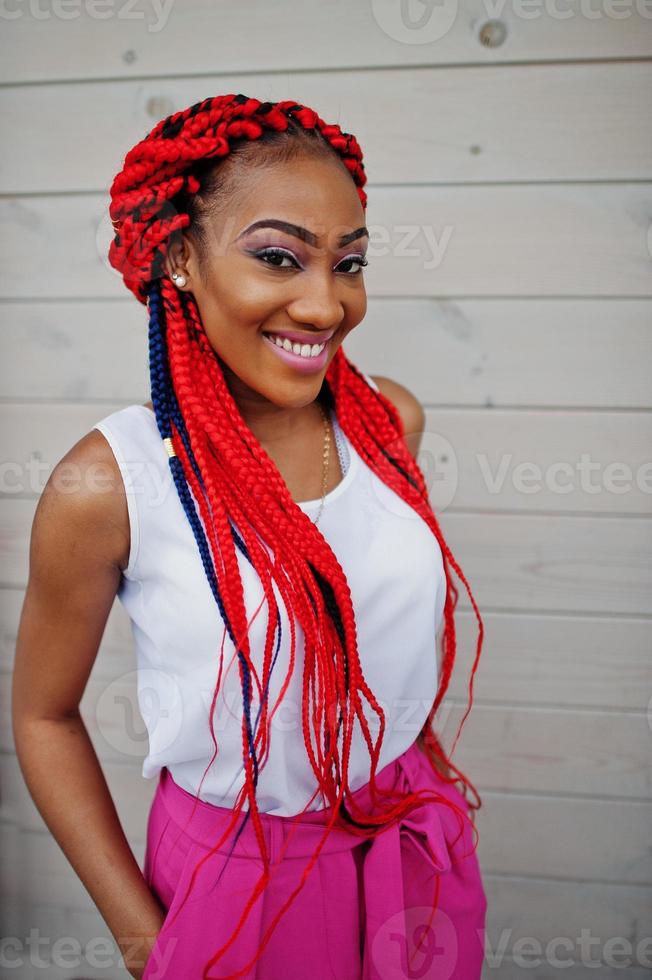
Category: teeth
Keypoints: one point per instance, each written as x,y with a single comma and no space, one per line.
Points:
303,350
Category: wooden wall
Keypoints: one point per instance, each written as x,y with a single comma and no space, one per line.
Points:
513,295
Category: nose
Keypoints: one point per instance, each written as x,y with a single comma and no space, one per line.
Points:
318,303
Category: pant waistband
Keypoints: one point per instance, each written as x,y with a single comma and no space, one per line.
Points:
205,822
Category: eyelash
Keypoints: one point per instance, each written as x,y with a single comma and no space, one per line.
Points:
362,262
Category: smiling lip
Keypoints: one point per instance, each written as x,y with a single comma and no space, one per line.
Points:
302,338
304,365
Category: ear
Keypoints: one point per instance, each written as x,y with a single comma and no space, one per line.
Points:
409,408
178,254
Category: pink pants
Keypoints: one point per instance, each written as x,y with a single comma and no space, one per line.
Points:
364,911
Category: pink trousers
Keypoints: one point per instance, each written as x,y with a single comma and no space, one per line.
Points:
364,911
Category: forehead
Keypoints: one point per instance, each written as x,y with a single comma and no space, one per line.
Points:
319,195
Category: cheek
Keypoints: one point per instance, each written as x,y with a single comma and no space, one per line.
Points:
236,291
233,317
249,299
356,308
234,330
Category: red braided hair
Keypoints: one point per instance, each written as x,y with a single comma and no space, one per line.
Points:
242,498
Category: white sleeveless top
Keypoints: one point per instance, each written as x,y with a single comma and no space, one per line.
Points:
394,568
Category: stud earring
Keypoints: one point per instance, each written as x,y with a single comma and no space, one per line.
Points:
179,280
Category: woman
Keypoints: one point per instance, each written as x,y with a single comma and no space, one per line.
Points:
285,590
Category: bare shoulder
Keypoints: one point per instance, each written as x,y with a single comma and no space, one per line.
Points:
84,501
409,408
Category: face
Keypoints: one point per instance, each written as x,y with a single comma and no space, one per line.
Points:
298,282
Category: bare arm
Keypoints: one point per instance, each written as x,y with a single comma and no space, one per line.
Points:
79,543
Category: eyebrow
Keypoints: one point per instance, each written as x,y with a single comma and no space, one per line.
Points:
299,232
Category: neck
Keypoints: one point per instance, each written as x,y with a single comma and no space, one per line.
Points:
272,423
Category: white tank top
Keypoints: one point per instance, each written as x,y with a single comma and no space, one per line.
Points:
394,568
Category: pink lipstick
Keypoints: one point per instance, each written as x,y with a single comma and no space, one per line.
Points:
305,361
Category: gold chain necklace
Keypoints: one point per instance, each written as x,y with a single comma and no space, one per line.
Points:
326,460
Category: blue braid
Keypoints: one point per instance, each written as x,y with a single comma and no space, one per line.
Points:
166,410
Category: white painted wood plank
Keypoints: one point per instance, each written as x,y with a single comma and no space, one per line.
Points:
48,443
565,838
559,564
518,240
554,240
64,950
495,123
502,460
198,37
553,910
545,751
511,352
555,660
86,351
553,353
510,969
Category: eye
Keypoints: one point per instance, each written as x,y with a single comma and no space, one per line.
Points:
274,254
360,260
